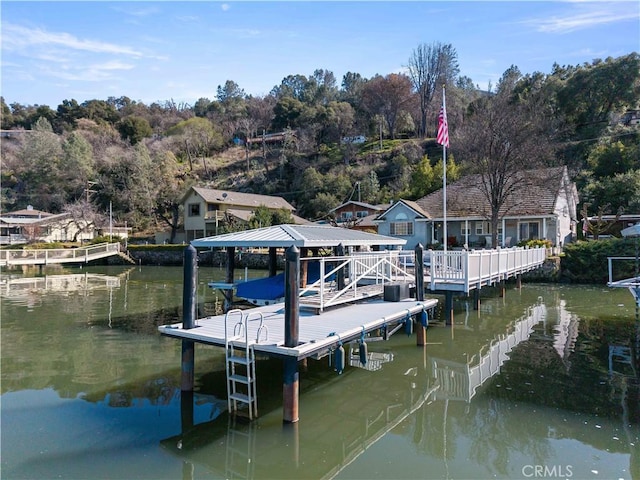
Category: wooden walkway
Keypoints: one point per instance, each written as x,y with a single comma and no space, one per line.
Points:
58,255
318,334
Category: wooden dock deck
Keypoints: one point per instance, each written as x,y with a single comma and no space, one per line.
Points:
318,334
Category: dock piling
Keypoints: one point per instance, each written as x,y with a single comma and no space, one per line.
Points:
421,331
189,295
290,387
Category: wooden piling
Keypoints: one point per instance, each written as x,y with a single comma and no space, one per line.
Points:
290,387
228,294
273,262
421,331
189,295
448,308
476,298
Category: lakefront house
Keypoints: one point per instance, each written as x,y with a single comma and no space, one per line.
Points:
543,206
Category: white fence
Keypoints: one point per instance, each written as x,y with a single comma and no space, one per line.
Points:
58,255
460,270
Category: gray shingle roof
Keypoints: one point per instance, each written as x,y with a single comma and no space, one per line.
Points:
536,194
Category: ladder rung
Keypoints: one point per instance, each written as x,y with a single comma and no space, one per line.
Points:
240,397
240,360
240,379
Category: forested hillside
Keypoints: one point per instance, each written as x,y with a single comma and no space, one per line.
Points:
83,157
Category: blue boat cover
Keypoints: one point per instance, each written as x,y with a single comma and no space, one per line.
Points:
271,288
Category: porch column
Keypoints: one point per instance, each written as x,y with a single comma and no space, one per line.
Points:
504,232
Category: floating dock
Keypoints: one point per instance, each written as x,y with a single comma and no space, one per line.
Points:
318,334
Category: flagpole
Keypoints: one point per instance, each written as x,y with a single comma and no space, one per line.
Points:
444,177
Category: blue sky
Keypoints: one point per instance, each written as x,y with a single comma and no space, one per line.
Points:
157,51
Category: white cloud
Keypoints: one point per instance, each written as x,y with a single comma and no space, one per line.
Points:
225,7
580,21
16,37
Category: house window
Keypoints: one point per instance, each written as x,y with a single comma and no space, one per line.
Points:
194,209
479,228
465,230
401,228
529,230
346,215
362,214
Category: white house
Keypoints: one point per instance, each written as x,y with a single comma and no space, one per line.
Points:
31,225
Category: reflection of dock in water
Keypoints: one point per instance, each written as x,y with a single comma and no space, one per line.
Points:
16,287
460,381
351,422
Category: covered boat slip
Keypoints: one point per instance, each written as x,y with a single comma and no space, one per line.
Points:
317,335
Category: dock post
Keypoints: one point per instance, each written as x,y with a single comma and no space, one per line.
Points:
519,282
448,308
189,295
273,262
421,331
228,294
340,272
476,298
291,334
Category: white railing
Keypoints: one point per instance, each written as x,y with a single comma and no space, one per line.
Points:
58,255
481,267
375,268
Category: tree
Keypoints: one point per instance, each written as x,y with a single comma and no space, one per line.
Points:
426,178
196,137
388,97
76,165
134,129
500,138
39,179
83,217
431,66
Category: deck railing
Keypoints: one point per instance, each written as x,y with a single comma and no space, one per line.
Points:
375,268
58,255
458,270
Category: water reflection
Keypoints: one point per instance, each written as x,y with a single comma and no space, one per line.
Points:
87,380
357,414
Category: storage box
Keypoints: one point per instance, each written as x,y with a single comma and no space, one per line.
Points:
394,292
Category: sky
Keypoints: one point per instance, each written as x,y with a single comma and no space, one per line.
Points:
156,51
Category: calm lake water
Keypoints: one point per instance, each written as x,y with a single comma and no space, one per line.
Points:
538,384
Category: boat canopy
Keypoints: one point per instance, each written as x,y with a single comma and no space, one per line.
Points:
310,236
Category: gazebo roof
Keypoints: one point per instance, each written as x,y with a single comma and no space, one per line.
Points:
299,235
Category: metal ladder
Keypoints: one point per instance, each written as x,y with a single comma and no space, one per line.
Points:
241,362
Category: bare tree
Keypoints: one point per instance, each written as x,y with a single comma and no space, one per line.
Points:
431,66
501,138
83,217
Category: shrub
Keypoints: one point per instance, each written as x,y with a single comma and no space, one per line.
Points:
586,261
535,243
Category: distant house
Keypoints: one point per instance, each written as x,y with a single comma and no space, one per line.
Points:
31,225
358,215
544,207
205,209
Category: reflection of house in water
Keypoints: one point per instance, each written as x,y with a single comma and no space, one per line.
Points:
565,333
460,381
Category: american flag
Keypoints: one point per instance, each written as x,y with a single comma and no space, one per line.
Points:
443,128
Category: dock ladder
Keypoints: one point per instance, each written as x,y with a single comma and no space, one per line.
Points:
240,451
241,362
